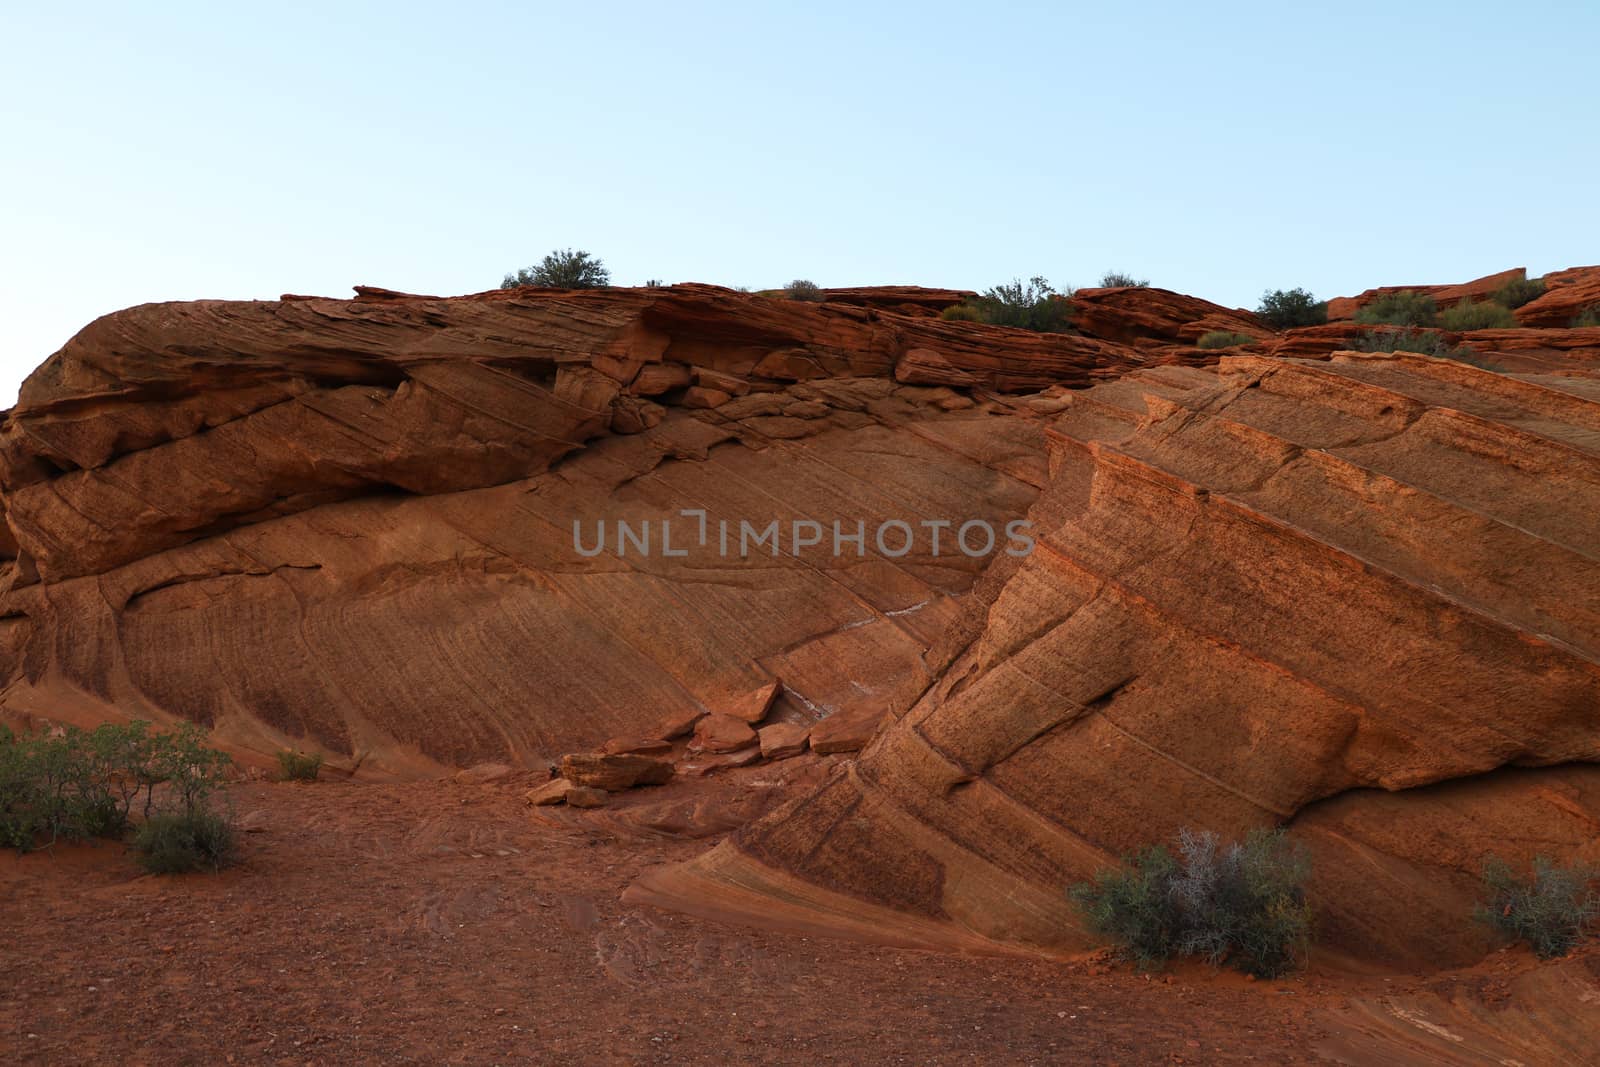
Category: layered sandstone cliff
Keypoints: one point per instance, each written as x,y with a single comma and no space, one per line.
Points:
1358,597
347,525
1352,594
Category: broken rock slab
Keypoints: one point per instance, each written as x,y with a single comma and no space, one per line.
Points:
701,766
552,792
783,739
753,706
722,733
642,746
847,731
613,771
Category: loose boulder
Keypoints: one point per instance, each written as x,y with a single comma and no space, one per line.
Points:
783,739
552,792
614,772
722,733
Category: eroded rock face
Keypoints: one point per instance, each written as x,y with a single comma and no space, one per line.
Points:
1354,595
1350,596
348,525
1567,294
164,423
1345,307
1518,350
1148,315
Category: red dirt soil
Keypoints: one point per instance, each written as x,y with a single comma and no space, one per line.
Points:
447,922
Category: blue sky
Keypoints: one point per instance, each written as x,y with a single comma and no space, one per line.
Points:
174,151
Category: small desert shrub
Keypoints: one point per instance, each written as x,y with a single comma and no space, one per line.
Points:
1519,291
1426,342
1241,903
1589,316
1550,911
1422,342
1031,305
299,766
1404,308
801,289
561,269
1223,339
654,283
193,772
961,313
1485,316
1286,309
1114,279
183,841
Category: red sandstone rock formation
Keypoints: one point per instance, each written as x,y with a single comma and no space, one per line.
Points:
347,525
1357,597
1345,307
1351,595
1148,315
1567,294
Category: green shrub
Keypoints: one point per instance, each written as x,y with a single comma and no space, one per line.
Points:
1485,316
1134,907
561,269
190,771
23,813
1114,279
1519,291
1404,308
1422,342
1223,339
1589,316
1242,904
183,841
131,760
54,788
298,766
1033,305
801,289
1550,911
74,784
1286,309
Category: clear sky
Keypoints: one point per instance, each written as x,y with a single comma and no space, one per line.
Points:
170,151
